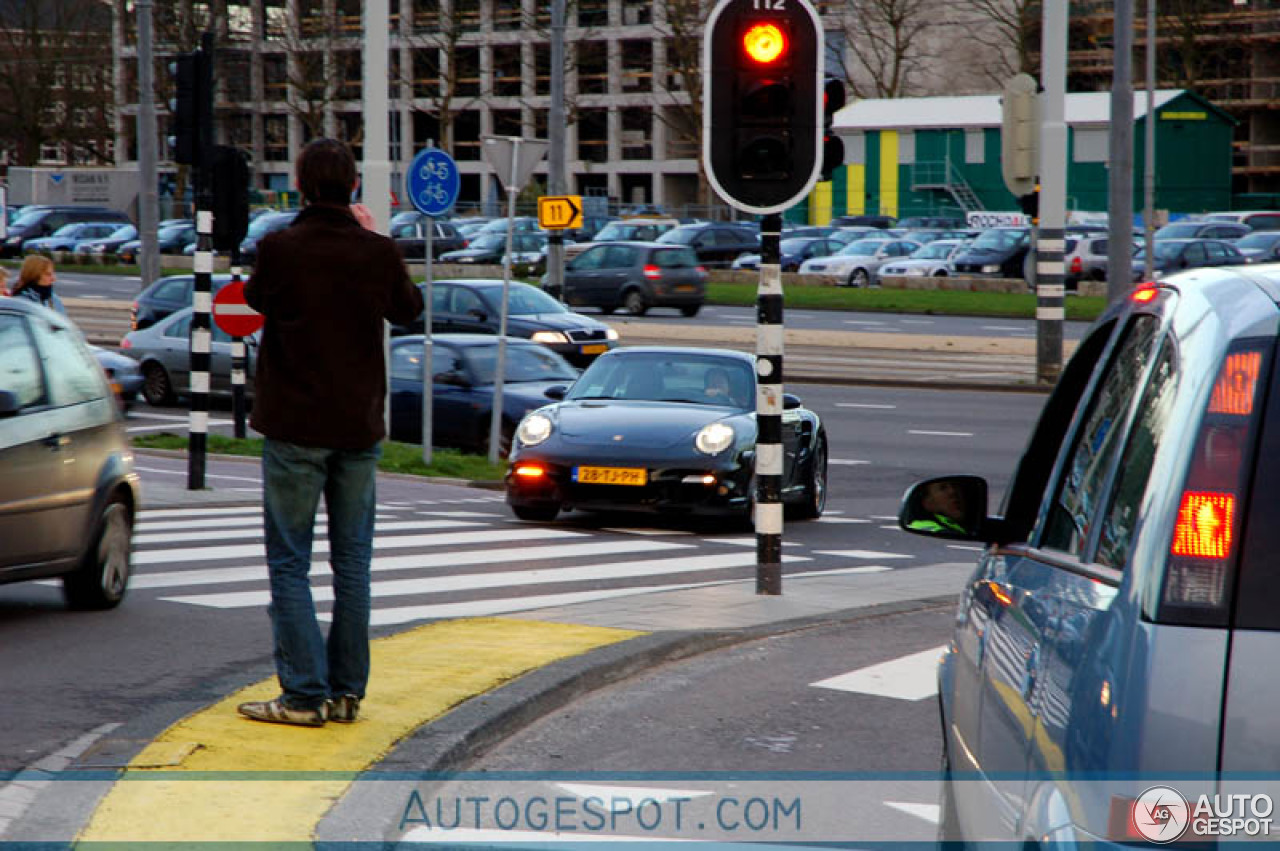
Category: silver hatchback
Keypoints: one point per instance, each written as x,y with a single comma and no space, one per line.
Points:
68,490
1119,631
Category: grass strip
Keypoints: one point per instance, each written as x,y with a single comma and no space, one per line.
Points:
929,302
396,457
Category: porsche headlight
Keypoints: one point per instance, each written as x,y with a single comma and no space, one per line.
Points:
611,334
549,337
534,429
714,439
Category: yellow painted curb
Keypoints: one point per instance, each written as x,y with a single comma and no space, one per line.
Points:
417,676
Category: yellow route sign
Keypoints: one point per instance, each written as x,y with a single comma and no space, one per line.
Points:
559,212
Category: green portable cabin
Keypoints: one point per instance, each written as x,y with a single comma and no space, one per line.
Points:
940,156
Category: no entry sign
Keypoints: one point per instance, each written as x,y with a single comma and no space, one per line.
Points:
232,314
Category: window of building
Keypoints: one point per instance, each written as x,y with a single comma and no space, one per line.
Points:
466,135
1089,145
635,13
637,130
593,67
906,147
637,66
975,145
593,13
275,136
507,69
426,72
467,72
506,122
593,135
541,69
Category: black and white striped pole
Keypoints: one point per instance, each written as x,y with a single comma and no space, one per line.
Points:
769,345
239,361
201,344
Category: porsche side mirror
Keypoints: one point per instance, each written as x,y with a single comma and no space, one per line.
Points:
556,393
790,401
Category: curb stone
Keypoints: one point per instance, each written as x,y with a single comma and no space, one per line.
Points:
484,721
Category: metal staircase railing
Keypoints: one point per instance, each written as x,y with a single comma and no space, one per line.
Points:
942,176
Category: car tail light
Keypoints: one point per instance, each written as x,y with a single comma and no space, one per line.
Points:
1145,293
652,272
1205,544
702,270
126,343
1076,266
133,317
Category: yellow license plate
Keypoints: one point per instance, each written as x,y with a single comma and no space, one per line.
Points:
612,476
595,349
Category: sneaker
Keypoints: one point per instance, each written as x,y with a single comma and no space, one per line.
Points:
344,709
276,712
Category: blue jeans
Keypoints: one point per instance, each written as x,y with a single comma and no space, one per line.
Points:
294,477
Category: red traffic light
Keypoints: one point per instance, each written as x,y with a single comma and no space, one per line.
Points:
765,43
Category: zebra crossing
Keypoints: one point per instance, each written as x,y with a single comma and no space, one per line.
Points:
462,558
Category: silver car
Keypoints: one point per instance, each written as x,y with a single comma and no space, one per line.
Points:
1119,632
932,260
856,264
68,490
163,353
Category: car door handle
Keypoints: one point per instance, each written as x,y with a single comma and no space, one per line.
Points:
57,441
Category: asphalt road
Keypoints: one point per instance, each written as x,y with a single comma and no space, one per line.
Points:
194,626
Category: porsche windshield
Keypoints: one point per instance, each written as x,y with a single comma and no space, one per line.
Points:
668,377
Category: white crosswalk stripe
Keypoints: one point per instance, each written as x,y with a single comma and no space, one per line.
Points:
450,561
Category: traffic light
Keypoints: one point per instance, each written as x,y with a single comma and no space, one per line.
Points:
191,128
832,145
762,72
230,180
1030,203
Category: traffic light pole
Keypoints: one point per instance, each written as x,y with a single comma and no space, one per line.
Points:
769,344
202,297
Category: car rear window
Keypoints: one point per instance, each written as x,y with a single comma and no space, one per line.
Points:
675,258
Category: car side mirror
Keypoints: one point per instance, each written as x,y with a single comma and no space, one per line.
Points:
453,377
556,393
9,404
953,507
790,401
477,314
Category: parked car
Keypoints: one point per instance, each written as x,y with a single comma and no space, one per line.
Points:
529,251
463,367
856,264
997,252
163,352
444,238
635,276
38,221
260,227
931,222
1261,246
1203,230
1174,255
642,430
717,245
170,239
520,224
880,222
166,296
68,489
933,259
625,230
793,251
1086,258
490,247
110,243
67,237
1255,219
1125,600
124,376
473,306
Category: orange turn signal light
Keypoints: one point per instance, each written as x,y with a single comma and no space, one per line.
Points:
529,471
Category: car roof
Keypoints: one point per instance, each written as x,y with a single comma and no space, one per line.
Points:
692,351
465,340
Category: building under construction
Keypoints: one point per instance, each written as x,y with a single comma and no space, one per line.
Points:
1226,51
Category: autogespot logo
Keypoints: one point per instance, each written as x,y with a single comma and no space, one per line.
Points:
1161,814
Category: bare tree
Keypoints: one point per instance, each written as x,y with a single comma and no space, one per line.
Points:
1186,56
681,23
55,79
436,72
889,46
1003,36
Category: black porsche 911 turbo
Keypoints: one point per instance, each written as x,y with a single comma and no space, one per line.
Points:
663,430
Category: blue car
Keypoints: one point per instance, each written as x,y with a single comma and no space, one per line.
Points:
463,367
661,430
1111,656
67,237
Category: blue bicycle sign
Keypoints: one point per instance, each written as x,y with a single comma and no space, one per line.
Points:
432,183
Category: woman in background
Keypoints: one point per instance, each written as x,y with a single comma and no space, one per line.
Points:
35,283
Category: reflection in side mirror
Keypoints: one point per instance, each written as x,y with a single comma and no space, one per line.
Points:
556,392
790,401
947,507
477,314
9,403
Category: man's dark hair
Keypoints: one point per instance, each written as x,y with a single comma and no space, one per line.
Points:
326,172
